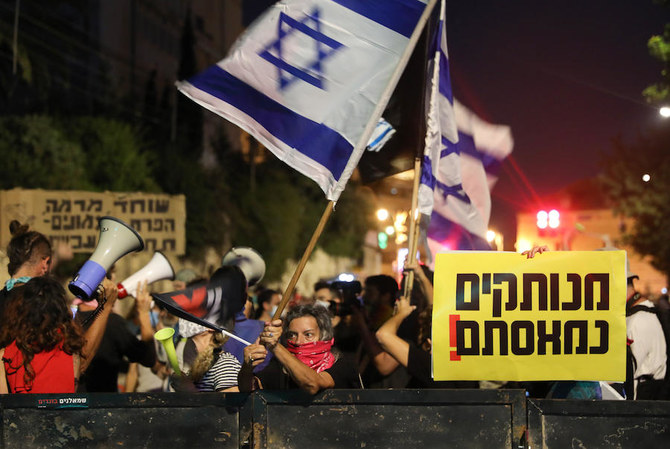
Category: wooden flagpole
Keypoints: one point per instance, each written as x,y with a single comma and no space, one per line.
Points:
412,244
305,257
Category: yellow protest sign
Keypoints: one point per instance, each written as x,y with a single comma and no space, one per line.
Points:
557,316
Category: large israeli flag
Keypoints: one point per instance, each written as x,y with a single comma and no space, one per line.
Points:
307,77
461,159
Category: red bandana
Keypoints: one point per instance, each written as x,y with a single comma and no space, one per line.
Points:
316,354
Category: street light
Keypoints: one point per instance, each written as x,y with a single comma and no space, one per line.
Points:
382,214
646,177
664,111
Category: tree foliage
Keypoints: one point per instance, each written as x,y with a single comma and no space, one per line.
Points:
648,203
659,48
80,153
279,215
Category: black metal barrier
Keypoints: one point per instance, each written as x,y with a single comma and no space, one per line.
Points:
333,419
598,424
137,420
374,419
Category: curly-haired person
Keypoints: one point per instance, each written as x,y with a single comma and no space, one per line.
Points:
48,350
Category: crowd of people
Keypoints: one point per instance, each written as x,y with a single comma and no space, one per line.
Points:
344,335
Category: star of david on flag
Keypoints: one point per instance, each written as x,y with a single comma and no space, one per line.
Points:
324,47
307,80
461,160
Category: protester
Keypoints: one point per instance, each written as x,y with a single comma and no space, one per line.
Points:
378,369
302,355
205,365
322,294
647,344
119,345
48,350
156,378
29,255
268,300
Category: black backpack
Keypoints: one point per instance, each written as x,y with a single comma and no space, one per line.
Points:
650,389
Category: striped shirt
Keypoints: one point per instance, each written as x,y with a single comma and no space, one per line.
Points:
222,375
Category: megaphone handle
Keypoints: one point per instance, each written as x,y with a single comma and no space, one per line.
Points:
241,340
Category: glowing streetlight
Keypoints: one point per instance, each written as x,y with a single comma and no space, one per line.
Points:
664,111
390,230
382,214
646,177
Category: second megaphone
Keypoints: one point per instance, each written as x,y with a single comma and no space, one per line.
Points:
157,269
116,240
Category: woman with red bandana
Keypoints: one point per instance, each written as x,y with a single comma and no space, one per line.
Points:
303,355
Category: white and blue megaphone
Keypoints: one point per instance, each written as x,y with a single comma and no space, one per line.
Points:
116,240
158,269
249,261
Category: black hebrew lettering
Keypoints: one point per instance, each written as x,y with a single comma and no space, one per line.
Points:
489,327
169,245
87,222
603,280
157,224
510,279
82,204
73,222
604,338
517,342
65,206
162,206
581,327
554,337
461,280
554,298
122,204
56,223
576,303
149,228
51,205
150,244
461,327
76,238
136,203
486,283
528,280
170,222
95,205
136,224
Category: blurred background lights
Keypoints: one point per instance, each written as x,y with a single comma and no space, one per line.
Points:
382,214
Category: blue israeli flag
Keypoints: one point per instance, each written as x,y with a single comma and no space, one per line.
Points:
306,79
461,158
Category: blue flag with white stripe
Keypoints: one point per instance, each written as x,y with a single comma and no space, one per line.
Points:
461,158
306,78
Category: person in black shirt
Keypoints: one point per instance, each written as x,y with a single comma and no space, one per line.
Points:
302,355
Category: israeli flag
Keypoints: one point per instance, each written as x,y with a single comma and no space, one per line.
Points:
306,79
461,160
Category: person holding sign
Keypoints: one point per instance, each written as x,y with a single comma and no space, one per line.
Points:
415,354
302,355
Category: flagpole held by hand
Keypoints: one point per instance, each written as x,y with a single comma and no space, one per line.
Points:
305,257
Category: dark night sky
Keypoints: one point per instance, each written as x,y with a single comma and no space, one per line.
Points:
567,76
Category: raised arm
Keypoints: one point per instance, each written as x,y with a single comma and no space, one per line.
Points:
95,332
387,335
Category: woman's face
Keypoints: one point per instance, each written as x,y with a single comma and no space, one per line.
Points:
303,330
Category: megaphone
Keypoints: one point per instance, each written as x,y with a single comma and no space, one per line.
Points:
249,261
164,336
116,240
157,269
